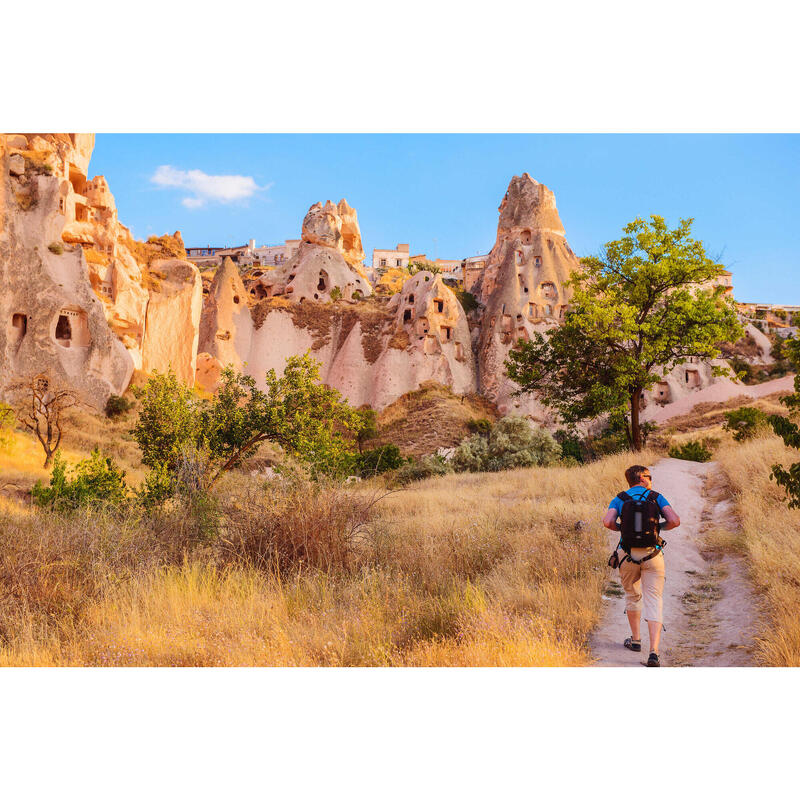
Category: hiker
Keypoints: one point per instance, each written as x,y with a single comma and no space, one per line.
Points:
641,568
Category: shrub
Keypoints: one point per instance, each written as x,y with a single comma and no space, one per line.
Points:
746,423
695,450
55,247
468,300
482,426
511,443
116,405
298,523
379,460
358,295
426,467
336,294
95,481
571,446
6,425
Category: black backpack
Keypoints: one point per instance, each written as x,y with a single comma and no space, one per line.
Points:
640,524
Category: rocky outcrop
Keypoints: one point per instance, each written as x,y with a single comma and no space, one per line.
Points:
523,286
327,265
51,320
52,213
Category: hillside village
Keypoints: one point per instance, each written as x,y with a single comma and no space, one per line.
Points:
86,303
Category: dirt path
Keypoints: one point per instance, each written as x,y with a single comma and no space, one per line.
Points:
709,607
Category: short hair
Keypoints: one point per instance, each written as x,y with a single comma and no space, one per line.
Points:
634,474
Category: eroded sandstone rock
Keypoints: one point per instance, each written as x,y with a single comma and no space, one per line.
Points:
523,286
327,265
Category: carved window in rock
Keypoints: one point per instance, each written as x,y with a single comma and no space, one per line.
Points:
692,378
19,327
72,328
422,326
322,285
447,332
81,213
459,351
439,303
408,315
548,290
519,258
525,236
531,310
548,310
537,261
411,298
663,392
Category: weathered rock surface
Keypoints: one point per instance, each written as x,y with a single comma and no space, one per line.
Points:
51,321
327,263
55,221
523,286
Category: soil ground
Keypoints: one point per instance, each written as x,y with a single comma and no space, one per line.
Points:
709,607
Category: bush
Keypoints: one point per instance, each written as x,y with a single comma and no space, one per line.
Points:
426,467
746,423
55,247
695,450
379,460
468,300
571,446
95,481
482,426
511,443
116,405
6,425
336,294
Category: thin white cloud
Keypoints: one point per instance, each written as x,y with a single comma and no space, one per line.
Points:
205,188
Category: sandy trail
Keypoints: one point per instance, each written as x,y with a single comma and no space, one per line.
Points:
709,606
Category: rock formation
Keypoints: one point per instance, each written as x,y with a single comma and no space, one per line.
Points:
127,305
523,285
51,321
327,264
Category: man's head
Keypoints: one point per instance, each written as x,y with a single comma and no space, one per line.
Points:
638,475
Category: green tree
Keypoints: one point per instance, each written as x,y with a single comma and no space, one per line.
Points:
368,428
308,420
637,311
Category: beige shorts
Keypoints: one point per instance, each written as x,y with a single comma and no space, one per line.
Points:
644,585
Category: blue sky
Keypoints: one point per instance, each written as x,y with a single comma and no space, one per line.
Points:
440,193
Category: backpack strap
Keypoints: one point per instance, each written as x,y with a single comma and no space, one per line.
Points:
624,496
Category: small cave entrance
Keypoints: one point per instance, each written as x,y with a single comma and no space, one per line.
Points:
410,298
548,290
422,326
439,303
72,328
408,315
322,284
236,299
447,331
663,392
525,236
19,327
81,213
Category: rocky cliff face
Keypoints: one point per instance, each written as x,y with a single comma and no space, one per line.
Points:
89,303
523,287
328,263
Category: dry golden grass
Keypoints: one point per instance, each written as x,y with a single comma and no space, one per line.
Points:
465,570
769,538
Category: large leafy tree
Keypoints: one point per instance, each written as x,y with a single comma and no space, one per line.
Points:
638,310
307,419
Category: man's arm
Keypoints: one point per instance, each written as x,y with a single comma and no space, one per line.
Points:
610,519
673,520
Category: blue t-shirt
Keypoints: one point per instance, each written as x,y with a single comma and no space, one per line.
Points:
636,493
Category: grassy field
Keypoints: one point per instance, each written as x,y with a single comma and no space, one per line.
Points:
768,538
467,570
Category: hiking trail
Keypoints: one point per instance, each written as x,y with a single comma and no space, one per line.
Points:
709,605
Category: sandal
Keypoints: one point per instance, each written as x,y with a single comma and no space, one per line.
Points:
653,661
633,644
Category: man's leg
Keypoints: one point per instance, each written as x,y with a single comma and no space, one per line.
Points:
630,576
653,574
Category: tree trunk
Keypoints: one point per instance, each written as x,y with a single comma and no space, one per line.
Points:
49,459
636,431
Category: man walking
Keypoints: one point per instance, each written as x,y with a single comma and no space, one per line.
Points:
635,513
